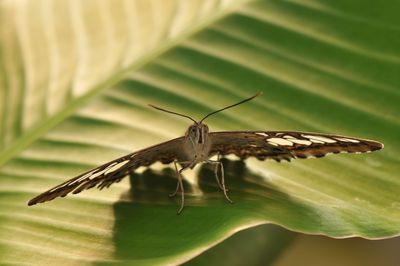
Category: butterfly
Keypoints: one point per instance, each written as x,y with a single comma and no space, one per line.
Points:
199,145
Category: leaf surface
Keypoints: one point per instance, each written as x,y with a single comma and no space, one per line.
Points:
74,91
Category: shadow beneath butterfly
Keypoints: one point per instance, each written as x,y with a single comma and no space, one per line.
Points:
147,226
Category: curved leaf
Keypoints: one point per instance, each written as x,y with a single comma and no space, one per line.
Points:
322,66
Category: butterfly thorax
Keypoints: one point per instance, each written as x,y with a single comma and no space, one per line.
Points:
197,143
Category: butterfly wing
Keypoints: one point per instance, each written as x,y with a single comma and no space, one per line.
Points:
285,145
114,171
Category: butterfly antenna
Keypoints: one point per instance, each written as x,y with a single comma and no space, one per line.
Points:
167,111
243,101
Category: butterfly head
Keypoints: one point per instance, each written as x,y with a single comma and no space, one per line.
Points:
197,132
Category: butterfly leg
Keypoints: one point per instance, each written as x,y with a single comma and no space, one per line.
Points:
216,172
179,185
173,194
222,183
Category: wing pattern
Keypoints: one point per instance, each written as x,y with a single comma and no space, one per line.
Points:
277,145
286,145
111,172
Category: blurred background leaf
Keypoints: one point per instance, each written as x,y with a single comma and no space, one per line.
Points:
76,78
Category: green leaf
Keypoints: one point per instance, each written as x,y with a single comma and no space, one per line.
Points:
268,242
76,78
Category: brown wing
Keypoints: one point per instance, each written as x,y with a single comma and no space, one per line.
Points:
285,145
114,171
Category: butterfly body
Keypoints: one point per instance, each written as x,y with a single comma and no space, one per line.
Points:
198,145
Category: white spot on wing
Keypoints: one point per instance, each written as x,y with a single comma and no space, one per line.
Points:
262,134
88,175
298,141
319,139
301,141
280,141
97,174
289,137
348,140
116,166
